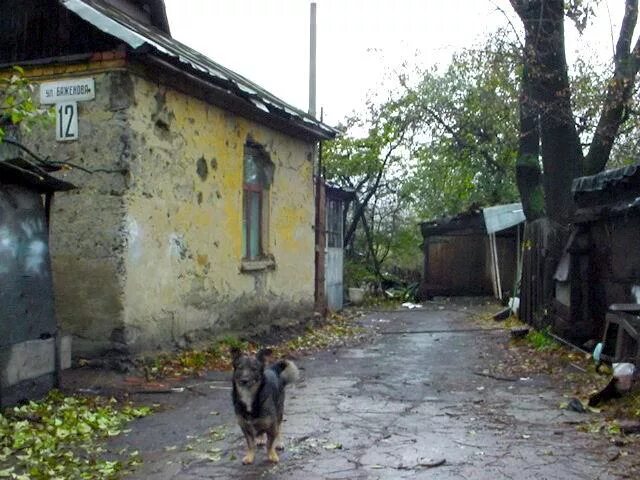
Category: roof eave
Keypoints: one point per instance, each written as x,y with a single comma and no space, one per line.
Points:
154,44
166,71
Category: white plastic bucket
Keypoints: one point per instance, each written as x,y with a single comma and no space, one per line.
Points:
624,373
356,295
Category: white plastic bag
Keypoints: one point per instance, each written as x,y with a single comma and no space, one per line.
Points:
624,373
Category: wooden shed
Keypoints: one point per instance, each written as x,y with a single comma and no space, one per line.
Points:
474,253
600,266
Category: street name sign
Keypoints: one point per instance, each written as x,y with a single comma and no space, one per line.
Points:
72,90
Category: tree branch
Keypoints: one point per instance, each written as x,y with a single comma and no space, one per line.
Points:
358,212
619,91
461,141
623,46
513,27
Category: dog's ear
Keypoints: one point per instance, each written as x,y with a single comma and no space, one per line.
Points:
235,355
264,354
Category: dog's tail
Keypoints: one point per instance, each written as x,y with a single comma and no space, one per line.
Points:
286,370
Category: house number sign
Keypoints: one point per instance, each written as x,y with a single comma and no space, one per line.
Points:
66,121
66,94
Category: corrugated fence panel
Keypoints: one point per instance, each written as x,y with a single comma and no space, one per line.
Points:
26,297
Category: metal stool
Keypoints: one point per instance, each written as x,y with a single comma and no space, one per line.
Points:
622,333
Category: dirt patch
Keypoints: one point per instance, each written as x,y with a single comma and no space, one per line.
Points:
574,373
169,370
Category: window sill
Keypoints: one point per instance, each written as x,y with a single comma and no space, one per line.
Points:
249,266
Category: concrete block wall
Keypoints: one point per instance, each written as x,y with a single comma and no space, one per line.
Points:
28,368
87,239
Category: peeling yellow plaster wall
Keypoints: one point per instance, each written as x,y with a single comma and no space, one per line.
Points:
184,211
148,253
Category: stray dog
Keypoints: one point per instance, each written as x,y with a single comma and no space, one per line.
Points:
258,399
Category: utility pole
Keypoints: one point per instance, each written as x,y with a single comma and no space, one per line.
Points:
320,220
312,61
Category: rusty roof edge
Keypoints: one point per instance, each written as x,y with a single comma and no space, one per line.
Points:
117,24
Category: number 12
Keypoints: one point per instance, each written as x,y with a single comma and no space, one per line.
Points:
66,112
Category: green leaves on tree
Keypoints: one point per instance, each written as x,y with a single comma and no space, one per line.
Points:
17,106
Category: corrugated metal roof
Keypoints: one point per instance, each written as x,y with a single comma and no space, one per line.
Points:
603,180
336,191
116,23
464,223
612,192
501,217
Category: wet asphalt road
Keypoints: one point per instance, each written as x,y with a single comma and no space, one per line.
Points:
388,409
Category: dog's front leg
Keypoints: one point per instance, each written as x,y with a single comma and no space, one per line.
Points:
279,443
272,436
249,436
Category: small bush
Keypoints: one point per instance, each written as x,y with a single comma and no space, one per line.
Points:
233,342
541,339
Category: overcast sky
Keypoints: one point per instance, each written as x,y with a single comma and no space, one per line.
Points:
360,42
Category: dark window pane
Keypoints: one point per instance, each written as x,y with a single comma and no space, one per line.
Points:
254,225
245,224
334,224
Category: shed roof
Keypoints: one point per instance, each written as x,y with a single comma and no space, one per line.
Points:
608,187
464,223
477,220
15,169
501,217
149,40
606,179
337,192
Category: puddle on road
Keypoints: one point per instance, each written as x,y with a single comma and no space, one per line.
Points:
359,353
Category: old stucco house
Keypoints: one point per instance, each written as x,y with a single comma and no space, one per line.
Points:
198,213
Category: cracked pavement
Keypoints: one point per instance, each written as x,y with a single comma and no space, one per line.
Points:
392,408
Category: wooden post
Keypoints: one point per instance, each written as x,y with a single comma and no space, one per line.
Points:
57,338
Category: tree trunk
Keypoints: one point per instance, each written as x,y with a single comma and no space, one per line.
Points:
528,175
545,110
561,151
377,270
547,131
548,94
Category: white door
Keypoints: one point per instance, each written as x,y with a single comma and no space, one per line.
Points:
334,255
